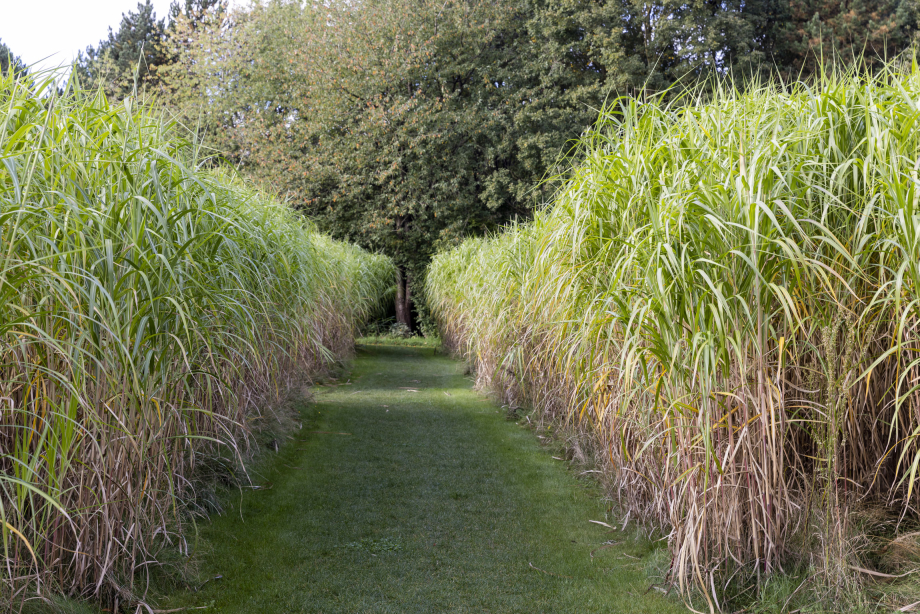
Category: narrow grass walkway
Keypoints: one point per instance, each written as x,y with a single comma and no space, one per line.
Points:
408,492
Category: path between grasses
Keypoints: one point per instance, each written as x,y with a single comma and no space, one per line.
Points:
406,491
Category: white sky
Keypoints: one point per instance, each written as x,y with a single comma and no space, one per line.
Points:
35,29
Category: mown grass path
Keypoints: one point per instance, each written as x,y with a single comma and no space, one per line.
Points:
432,502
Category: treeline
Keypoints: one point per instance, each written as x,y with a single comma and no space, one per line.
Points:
406,125
9,61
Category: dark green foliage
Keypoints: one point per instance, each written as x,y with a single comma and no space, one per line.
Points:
193,10
408,125
812,34
138,55
128,58
9,61
571,55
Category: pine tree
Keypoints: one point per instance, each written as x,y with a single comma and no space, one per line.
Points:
9,62
819,33
193,11
129,58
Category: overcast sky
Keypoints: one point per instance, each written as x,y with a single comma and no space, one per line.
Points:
35,29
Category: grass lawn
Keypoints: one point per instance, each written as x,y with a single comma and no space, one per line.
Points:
406,491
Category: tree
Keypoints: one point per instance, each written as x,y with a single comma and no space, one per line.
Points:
374,118
573,55
128,58
9,62
181,81
818,33
193,12
406,125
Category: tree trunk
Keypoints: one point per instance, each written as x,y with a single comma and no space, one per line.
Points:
403,299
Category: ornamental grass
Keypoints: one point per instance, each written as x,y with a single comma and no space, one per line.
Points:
150,308
724,298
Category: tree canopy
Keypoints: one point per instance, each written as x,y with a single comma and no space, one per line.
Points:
816,33
129,57
137,54
405,125
9,61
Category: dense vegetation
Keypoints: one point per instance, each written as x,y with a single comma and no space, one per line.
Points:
9,62
139,54
150,311
723,298
406,126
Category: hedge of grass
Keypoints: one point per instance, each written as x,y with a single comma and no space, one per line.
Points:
149,309
724,299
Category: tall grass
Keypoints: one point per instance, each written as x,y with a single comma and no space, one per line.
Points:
149,308
725,296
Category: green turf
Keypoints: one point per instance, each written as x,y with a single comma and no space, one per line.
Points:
433,502
429,342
